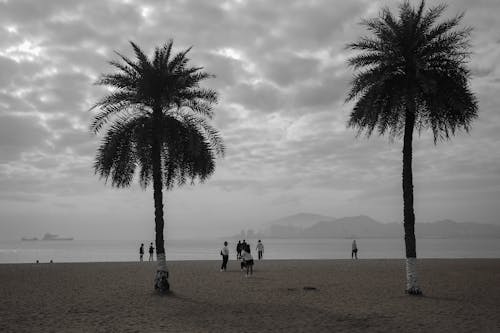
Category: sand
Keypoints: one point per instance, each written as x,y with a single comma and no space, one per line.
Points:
461,295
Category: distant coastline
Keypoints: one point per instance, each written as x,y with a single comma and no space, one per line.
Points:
306,225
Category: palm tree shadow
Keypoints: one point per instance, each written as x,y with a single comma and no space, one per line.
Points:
438,298
178,297
169,293
431,298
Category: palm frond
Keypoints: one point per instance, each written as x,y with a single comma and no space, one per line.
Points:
116,158
412,58
162,89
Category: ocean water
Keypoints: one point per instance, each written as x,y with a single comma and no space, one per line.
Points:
127,250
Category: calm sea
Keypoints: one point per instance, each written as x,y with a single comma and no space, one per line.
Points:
123,250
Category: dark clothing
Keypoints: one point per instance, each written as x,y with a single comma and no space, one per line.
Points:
141,252
151,252
260,255
246,263
238,250
224,262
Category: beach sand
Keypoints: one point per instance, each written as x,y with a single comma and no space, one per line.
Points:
461,295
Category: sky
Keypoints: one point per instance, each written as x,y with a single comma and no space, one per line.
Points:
282,78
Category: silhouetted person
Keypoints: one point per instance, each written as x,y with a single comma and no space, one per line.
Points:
243,245
151,251
141,252
225,257
238,250
354,253
260,249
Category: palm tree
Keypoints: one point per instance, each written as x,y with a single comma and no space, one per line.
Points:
412,74
156,119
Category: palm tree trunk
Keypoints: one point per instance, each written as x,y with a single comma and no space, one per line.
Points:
161,280
412,287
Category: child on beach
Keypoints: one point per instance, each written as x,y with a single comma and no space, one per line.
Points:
141,252
247,260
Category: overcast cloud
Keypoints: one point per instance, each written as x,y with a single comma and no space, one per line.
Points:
282,78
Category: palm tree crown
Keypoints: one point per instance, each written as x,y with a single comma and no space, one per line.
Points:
412,59
162,96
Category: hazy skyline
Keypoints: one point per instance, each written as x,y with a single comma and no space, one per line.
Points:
282,78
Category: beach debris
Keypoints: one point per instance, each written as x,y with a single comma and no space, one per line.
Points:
310,288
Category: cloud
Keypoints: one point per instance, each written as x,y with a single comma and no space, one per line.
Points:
282,78
19,134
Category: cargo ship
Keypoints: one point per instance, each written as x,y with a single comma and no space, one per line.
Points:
48,237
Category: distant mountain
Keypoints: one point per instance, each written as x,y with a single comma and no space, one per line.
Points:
452,229
305,225
293,225
301,220
351,227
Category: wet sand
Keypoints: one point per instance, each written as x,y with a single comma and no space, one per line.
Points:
460,295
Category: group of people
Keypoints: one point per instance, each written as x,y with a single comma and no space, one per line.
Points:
151,252
243,253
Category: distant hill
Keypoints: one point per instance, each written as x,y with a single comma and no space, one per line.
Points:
300,220
293,226
452,229
306,225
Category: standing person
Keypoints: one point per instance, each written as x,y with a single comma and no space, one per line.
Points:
225,257
354,253
151,251
141,252
247,260
260,249
238,250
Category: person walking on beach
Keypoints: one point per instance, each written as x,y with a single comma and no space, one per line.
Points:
225,257
238,250
151,251
354,253
141,252
247,260
260,249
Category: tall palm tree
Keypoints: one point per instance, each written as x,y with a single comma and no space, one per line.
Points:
156,120
412,74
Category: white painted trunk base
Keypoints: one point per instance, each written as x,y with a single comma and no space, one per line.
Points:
411,277
161,279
